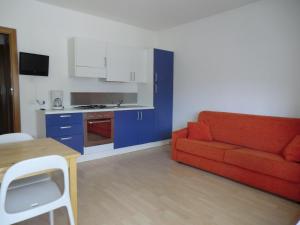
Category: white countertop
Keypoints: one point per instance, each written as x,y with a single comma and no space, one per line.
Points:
74,110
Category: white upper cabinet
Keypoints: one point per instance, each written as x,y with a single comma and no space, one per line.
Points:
126,64
118,63
139,65
89,58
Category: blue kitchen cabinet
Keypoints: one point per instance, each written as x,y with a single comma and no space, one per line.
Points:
133,127
67,129
146,126
163,93
126,128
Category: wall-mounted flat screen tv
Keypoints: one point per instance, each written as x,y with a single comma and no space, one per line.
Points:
33,64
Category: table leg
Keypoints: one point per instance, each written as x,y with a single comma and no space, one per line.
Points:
73,187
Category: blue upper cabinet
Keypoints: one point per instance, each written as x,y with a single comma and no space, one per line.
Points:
67,129
163,93
133,127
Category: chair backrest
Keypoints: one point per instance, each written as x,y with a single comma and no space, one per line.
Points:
14,137
29,167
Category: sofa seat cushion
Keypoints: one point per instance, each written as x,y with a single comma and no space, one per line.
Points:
265,163
210,150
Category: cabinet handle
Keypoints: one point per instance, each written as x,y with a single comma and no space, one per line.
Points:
155,77
65,116
99,121
134,76
141,115
131,76
66,127
138,115
105,61
67,138
155,88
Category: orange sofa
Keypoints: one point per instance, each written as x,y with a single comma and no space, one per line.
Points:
260,151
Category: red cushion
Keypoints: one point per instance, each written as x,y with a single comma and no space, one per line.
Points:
292,151
265,163
210,150
199,131
265,133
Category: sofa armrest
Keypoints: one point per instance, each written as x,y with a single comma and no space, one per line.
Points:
182,133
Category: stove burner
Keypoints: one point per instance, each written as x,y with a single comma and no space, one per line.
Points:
90,107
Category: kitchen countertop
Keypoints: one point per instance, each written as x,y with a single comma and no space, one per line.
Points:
75,110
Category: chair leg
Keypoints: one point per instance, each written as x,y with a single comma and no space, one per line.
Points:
51,217
70,213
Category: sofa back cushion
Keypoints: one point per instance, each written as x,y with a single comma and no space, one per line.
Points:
199,131
265,133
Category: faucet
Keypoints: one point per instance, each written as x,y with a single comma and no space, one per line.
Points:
120,102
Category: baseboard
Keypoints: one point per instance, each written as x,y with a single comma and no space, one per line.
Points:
102,151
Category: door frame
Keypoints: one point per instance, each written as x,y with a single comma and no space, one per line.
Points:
14,75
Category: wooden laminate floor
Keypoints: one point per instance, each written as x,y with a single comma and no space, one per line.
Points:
147,188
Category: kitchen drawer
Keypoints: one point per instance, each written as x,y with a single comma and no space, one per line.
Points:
63,119
72,141
66,129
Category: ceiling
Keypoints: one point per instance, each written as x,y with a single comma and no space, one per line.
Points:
151,14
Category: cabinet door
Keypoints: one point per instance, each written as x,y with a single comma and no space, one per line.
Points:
90,53
139,65
163,93
118,63
90,58
126,128
146,126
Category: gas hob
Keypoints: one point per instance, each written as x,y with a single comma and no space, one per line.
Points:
90,107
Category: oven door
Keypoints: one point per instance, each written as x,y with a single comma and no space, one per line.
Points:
98,131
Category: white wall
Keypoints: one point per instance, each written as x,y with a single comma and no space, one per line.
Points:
45,29
246,60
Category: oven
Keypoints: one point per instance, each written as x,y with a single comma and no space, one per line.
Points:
98,128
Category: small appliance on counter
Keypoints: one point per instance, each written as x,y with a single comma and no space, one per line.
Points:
57,97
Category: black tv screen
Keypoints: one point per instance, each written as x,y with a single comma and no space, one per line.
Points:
33,64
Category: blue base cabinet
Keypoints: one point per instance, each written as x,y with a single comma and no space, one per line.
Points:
67,129
133,127
147,126
163,93
125,128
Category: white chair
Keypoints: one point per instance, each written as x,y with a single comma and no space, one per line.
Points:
26,202
14,137
18,137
